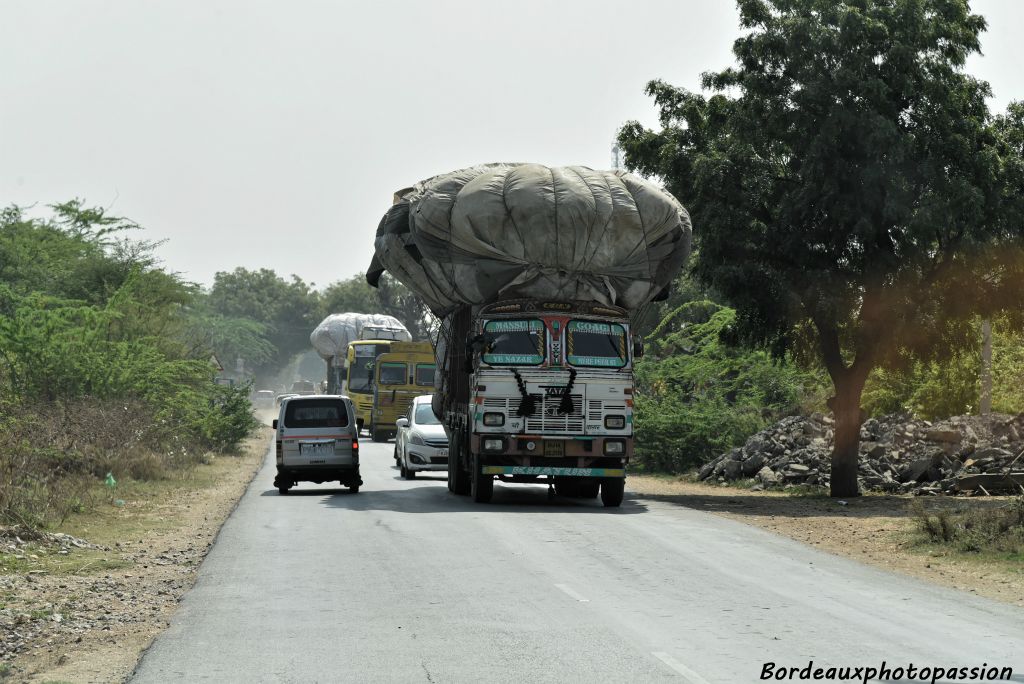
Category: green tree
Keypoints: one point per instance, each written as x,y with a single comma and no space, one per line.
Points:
352,295
288,310
849,187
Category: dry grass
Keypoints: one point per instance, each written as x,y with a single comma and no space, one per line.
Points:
52,456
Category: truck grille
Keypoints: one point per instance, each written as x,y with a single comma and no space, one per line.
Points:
547,419
594,410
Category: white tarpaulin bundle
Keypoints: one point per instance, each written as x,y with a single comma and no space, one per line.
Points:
331,337
495,231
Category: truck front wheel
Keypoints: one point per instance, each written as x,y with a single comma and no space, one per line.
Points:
483,485
612,489
458,478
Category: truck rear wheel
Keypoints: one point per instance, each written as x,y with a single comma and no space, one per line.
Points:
377,434
612,489
483,485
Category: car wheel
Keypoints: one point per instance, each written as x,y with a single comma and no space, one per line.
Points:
354,488
396,452
282,490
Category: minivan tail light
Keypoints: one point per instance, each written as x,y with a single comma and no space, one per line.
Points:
280,452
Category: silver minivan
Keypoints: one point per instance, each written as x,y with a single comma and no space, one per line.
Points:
317,441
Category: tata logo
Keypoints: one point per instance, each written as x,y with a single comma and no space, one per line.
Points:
553,391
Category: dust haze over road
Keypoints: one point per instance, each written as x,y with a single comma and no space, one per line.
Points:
405,582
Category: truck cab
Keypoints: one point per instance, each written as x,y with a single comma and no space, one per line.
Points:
402,373
549,398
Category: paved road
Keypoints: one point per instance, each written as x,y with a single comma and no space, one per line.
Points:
404,582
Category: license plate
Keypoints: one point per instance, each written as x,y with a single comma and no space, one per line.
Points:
554,448
443,453
317,449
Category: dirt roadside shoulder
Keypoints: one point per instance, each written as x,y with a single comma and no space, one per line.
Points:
85,615
877,530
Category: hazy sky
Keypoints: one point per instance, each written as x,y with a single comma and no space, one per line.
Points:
274,133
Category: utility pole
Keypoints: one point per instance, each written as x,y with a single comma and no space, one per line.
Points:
617,164
986,367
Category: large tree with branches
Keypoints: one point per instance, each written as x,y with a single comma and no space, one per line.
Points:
849,187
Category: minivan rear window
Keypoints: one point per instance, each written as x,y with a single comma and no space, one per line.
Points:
316,413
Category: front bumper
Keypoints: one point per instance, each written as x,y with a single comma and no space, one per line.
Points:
421,457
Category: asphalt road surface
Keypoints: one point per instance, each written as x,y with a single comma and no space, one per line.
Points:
404,582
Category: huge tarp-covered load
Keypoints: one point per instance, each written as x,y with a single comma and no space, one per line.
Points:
497,231
332,336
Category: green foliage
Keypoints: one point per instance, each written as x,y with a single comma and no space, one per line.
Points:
92,327
697,397
350,295
286,310
852,194
936,389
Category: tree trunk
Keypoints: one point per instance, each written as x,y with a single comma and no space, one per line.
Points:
846,452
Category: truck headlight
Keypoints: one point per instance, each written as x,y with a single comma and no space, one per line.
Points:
494,419
494,445
615,422
614,446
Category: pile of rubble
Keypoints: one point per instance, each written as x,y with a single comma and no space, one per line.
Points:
897,454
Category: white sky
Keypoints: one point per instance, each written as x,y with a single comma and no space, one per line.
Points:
272,134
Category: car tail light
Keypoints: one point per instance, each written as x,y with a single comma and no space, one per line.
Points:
280,452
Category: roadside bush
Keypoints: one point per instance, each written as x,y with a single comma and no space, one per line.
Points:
992,529
697,397
99,371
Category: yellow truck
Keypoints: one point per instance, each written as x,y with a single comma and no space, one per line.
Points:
383,378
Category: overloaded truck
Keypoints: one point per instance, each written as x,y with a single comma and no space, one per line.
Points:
535,274
350,344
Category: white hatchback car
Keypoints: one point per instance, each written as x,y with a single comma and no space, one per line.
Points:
421,442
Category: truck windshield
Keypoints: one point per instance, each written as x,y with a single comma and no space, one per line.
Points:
392,373
590,343
514,343
360,372
425,374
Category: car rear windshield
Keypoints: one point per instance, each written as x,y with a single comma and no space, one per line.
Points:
316,413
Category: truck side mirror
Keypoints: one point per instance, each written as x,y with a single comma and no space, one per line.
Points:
474,343
638,348
274,424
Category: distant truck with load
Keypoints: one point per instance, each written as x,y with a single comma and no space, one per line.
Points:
535,274
351,343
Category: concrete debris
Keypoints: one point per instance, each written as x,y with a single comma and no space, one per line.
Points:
898,454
